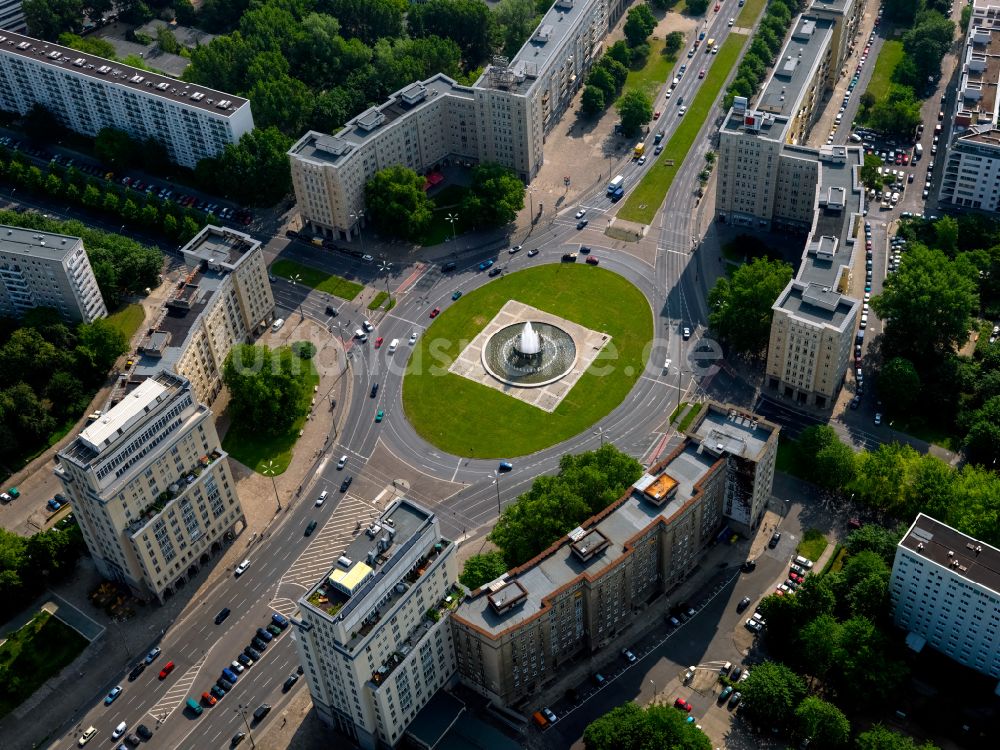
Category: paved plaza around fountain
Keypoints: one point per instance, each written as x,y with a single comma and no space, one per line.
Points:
546,396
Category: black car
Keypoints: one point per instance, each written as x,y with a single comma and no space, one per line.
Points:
331,311
310,528
346,483
569,258
258,644
582,223
262,710
374,391
749,566
219,618
744,603
225,684
449,266
264,635
252,652
143,731
291,233
775,538
584,249
292,679
136,671
237,738
495,271
245,660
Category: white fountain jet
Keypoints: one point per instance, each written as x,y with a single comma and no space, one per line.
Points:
529,343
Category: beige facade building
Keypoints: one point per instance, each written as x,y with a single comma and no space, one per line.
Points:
224,300
767,180
512,635
42,269
373,634
504,117
151,487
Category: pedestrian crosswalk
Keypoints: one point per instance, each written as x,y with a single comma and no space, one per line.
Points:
350,516
177,692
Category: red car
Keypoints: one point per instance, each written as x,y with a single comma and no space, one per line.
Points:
702,73
906,158
656,115
717,6
796,577
167,669
378,342
435,312
592,260
682,704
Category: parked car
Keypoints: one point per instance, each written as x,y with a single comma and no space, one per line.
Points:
744,603
113,695
629,655
682,704
153,653
775,538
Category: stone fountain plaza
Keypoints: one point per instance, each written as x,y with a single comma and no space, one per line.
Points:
546,395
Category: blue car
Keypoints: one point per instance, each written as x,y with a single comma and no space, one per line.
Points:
115,692
486,264
54,505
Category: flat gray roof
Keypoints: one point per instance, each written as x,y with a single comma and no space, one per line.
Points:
738,433
965,556
357,131
631,516
832,6
538,53
139,81
35,243
816,303
219,245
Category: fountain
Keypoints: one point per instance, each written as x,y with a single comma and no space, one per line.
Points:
529,354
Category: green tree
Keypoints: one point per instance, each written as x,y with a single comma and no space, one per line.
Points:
818,645
513,22
696,7
396,202
629,727
899,385
897,114
639,24
265,388
875,538
282,102
617,70
620,52
741,304
494,197
255,171
835,466
823,723
592,101
635,110
880,737
870,175
601,79
927,304
106,342
673,43
482,568
65,392
946,235
469,23
92,45
167,41
815,438
47,19
771,694
982,442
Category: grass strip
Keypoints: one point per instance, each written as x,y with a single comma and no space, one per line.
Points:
316,279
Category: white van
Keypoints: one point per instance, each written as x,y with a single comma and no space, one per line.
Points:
360,335
392,345
276,325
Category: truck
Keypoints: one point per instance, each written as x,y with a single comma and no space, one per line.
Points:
639,149
709,44
919,150
616,183
618,194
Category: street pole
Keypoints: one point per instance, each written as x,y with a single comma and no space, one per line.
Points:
241,712
359,216
296,279
385,267
600,432
269,471
654,690
451,219
496,481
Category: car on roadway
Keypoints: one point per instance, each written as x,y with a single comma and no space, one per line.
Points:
245,660
515,249
119,730
775,538
744,603
167,669
505,466
87,736
342,462
378,341
686,333
701,74
642,160
223,614
310,528
495,271
237,738
113,695
413,338
581,213
252,652
208,699
582,223
486,264
379,415
366,324
153,653
749,566
731,22
374,391
682,704
547,712
346,484
435,312
878,418
289,682
682,110
137,670
629,655
533,252
658,149
656,115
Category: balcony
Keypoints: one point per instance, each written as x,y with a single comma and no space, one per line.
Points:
175,490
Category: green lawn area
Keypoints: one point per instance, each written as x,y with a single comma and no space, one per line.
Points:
650,77
32,655
888,58
469,419
812,545
317,279
127,319
254,449
643,202
837,560
676,411
749,13
377,300
788,458
689,417
440,229
918,428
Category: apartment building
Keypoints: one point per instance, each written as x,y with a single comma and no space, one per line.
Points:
945,592
12,15
504,117
42,269
151,487
971,176
85,94
373,635
224,300
512,635
767,180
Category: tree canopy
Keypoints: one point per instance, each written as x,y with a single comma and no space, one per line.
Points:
266,388
639,24
635,110
482,568
771,694
741,304
629,727
494,197
396,202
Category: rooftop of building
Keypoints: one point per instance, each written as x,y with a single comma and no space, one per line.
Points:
816,304
788,84
839,7
140,81
35,243
117,421
973,560
976,103
984,137
591,549
369,558
438,725
541,50
218,247
723,428
335,149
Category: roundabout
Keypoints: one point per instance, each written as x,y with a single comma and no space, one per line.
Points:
477,387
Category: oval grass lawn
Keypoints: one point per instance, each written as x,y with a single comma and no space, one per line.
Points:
465,418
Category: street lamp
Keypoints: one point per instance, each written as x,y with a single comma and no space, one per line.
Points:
496,480
242,712
270,470
654,690
601,431
385,267
451,219
296,279
358,216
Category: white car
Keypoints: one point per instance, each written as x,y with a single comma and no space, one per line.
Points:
753,625
878,418
87,736
642,160
581,213
322,498
342,462
237,667
682,110
119,731
732,21
242,567
367,325
514,249
413,338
